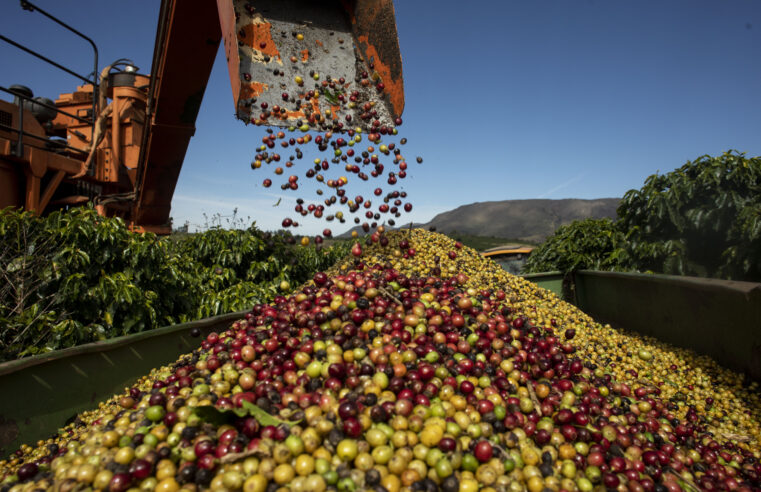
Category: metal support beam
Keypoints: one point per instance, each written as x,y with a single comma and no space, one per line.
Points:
50,189
32,199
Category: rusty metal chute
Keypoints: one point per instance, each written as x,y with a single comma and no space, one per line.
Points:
270,44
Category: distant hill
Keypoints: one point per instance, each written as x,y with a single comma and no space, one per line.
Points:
524,220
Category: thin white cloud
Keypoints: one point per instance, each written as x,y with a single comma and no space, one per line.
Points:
559,187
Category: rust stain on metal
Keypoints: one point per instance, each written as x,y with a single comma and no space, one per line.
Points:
252,89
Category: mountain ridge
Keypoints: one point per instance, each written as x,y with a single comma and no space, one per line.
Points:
530,220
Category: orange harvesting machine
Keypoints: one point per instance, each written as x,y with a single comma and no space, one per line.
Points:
118,141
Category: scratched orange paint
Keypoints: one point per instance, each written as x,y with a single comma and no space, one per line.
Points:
256,34
300,114
294,115
252,89
255,89
393,87
315,105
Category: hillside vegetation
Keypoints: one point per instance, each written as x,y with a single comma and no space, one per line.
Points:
512,221
529,221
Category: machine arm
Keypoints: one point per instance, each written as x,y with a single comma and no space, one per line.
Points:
187,40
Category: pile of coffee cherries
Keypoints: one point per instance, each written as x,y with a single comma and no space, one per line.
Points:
415,365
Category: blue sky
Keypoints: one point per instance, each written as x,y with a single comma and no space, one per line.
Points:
504,99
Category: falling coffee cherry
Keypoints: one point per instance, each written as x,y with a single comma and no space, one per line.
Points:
340,143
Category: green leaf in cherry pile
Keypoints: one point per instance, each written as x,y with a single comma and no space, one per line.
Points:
221,416
263,417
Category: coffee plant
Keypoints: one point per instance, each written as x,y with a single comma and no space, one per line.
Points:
75,277
702,219
583,244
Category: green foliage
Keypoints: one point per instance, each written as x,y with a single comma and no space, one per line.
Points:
82,278
579,245
238,268
75,277
702,219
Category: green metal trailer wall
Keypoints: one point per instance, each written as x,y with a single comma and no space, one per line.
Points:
552,281
718,318
39,394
